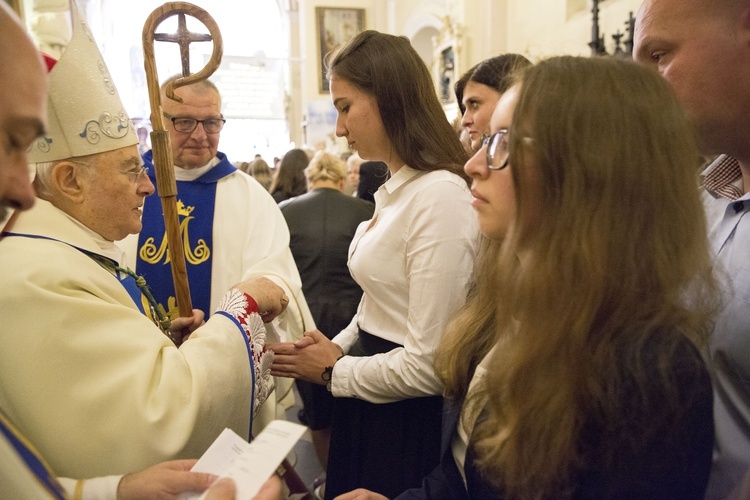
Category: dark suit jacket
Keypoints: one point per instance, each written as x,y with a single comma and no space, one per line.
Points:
321,227
444,482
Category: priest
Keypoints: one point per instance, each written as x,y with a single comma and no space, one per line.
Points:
231,227
89,370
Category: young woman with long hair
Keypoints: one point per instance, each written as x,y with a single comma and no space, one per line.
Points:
413,260
575,369
601,290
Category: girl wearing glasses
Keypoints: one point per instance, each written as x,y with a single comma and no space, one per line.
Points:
413,261
575,367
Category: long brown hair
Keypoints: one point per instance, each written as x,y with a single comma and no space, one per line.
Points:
388,68
612,239
289,177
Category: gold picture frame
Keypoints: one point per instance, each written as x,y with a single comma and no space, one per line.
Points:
334,26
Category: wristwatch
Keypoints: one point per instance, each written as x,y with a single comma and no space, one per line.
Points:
327,374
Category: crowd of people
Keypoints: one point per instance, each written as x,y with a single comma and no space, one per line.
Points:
556,306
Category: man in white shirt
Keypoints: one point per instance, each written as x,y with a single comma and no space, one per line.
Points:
702,47
232,228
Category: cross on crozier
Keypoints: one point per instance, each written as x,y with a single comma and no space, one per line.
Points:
183,38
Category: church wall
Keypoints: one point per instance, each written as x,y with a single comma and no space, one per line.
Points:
540,28
535,28
478,20
316,109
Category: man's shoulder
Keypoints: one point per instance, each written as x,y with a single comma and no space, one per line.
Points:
325,196
358,205
300,202
310,207
363,204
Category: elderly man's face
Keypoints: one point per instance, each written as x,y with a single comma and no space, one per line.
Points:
701,48
114,187
352,171
23,112
193,150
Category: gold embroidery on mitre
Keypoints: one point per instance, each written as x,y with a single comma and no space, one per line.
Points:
150,254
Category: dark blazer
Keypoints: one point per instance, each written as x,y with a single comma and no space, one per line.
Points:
673,464
321,227
444,482
280,196
372,175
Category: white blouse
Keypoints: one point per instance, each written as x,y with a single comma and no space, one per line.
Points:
414,264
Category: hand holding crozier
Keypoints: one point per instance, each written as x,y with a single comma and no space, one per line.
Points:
270,297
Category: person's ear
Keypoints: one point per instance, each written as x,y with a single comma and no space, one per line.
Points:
67,177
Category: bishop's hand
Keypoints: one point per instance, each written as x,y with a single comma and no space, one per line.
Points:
270,297
181,328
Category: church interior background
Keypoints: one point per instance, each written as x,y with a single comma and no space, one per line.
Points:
274,94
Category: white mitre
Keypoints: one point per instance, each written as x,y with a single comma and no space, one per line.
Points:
84,113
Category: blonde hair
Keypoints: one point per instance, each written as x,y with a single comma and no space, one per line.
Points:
325,167
618,258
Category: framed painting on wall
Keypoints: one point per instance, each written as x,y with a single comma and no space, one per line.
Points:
447,65
446,74
335,26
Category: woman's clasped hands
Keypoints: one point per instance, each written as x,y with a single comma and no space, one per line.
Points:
308,359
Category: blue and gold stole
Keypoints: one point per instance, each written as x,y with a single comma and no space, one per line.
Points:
31,458
195,207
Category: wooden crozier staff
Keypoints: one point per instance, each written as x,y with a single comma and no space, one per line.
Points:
160,143
162,151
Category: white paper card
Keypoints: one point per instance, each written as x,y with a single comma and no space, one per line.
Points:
249,464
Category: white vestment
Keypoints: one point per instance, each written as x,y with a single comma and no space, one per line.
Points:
92,382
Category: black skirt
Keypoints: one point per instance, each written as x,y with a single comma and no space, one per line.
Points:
386,448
